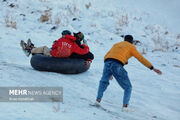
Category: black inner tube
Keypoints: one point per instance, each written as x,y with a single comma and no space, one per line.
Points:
60,65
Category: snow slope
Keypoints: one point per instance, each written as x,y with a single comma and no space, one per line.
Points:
154,23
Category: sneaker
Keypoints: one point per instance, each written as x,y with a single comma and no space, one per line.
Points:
23,44
97,104
30,44
127,109
25,48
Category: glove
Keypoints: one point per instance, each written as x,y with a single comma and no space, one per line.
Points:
85,42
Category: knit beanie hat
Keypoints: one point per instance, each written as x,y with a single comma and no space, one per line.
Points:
66,32
128,38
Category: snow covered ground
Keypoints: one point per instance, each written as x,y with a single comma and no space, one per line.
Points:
154,23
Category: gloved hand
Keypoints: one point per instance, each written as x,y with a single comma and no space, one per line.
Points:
85,42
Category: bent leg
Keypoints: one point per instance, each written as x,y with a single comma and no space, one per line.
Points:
46,51
87,56
123,80
41,50
104,82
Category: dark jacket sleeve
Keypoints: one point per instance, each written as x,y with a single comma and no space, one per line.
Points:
78,42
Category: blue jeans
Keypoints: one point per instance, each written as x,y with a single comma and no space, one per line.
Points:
120,74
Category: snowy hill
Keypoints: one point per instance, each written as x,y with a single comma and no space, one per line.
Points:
154,23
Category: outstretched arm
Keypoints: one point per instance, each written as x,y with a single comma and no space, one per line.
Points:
144,61
140,58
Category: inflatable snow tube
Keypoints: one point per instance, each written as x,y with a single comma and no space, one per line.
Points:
59,65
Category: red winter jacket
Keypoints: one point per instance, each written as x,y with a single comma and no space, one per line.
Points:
64,47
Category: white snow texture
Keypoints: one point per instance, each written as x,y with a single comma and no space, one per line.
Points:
155,23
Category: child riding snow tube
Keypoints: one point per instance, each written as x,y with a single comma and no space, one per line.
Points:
60,65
